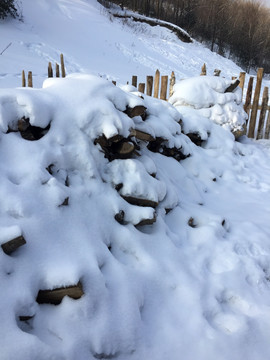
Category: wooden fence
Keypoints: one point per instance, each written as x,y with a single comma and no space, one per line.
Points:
258,123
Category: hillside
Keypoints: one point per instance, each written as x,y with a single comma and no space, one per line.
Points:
130,227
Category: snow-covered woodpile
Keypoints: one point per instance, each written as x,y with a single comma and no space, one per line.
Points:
88,176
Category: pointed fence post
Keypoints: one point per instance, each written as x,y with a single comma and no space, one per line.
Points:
172,83
57,70
254,110
263,113
62,66
134,81
30,79
249,95
149,85
156,84
164,86
50,70
23,79
203,71
141,87
242,78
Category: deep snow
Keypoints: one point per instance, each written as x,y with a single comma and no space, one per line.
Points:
195,283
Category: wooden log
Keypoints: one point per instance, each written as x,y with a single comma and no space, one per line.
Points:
134,81
262,114
148,221
12,245
253,116
141,87
138,110
232,87
50,70
120,217
55,296
149,85
249,95
172,83
141,135
57,70
62,65
65,202
203,71
114,82
217,72
23,79
30,79
164,86
156,84
140,201
124,149
242,78
267,126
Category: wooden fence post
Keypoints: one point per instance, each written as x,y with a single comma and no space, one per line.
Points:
254,110
242,78
164,86
50,70
134,81
62,66
149,85
262,114
249,95
23,79
30,79
156,84
57,70
172,83
141,87
203,71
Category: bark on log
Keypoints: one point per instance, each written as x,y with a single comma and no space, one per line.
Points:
12,245
232,87
55,296
140,201
138,110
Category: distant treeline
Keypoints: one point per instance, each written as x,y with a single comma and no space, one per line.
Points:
238,29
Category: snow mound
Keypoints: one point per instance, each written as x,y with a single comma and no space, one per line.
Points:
208,97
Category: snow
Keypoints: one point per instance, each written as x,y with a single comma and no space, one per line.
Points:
195,283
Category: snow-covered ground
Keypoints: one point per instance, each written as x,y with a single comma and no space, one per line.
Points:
167,238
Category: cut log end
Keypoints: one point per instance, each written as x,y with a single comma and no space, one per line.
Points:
138,110
12,245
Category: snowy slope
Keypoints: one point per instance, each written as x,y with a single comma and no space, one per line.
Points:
169,242
92,41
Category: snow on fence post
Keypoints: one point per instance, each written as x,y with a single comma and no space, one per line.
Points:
164,86
23,79
156,84
249,95
262,114
62,65
141,87
134,81
254,110
267,126
172,82
57,70
203,71
50,70
242,78
149,85
30,79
